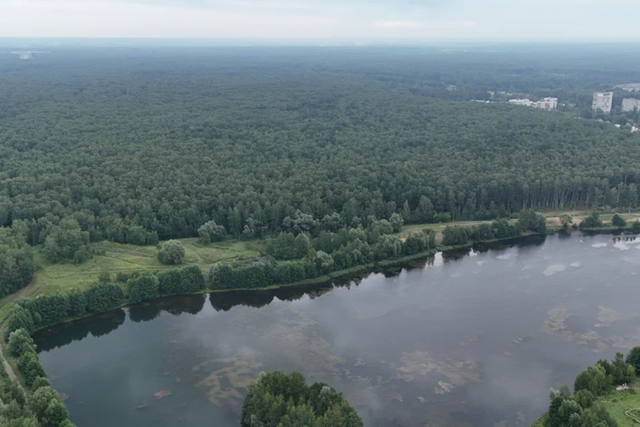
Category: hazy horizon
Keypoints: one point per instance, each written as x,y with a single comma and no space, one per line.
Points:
358,21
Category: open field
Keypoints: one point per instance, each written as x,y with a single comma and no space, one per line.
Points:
619,402
122,258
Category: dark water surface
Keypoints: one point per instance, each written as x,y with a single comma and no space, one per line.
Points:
476,341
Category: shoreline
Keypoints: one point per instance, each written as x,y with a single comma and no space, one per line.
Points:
379,266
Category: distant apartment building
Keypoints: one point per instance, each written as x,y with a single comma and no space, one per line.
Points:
630,104
548,104
602,101
526,102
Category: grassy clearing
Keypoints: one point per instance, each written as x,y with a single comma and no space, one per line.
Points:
119,258
438,228
116,258
619,402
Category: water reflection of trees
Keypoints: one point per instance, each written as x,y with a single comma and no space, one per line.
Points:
176,305
103,324
62,335
225,301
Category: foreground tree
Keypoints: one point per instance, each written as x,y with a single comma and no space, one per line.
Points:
282,400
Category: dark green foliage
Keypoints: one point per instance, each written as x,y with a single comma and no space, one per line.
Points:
452,236
618,221
44,403
503,229
282,247
186,280
388,247
482,232
47,310
633,358
77,304
66,241
101,298
553,419
40,382
584,398
258,274
143,287
20,342
211,232
368,138
29,365
323,262
635,227
301,245
170,282
583,408
592,221
55,414
618,372
532,221
19,318
172,252
41,399
396,222
289,272
16,268
593,379
282,400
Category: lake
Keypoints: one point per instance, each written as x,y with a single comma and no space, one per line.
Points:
466,339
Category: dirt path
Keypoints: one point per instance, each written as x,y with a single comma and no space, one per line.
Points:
9,370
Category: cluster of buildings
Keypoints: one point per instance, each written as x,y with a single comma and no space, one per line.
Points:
603,101
549,104
629,87
630,104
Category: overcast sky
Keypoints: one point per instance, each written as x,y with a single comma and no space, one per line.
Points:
504,20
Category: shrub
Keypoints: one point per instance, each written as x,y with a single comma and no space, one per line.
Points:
77,304
20,342
171,253
592,221
102,297
618,221
19,318
30,367
142,288
211,232
456,235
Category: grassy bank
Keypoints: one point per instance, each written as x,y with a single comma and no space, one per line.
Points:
624,405
117,258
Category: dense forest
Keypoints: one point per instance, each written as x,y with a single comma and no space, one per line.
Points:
141,145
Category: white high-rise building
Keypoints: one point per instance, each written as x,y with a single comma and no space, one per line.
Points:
602,101
630,104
